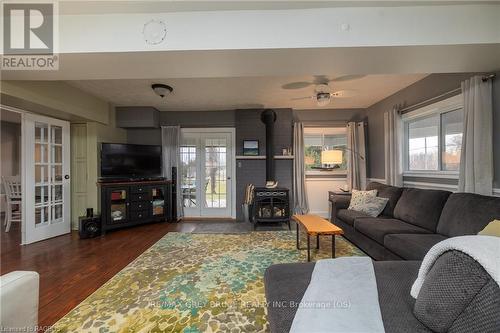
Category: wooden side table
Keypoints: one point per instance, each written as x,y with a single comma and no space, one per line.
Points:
316,226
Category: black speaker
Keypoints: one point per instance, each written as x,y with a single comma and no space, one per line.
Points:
173,196
89,227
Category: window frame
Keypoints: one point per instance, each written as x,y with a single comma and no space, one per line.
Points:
450,104
335,173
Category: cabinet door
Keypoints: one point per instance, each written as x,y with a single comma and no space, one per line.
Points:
158,201
118,205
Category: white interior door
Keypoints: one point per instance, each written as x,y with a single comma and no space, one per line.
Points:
46,183
207,166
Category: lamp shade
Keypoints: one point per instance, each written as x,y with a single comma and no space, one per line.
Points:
331,157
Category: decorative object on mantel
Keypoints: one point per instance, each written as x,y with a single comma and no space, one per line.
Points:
251,147
286,151
271,184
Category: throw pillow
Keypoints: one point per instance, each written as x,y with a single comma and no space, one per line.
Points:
359,197
492,229
373,206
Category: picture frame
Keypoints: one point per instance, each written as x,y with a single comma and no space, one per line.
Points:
251,147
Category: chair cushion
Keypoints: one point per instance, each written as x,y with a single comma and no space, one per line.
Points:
467,214
458,296
349,215
412,246
377,228
421,207
392,193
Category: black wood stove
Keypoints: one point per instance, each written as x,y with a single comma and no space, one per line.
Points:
270,205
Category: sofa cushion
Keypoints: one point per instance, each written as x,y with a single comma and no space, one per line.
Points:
285,285
349,215
377,228
467,214
412,246
392,193
458,295
421,207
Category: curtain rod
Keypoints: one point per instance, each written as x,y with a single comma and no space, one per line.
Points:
427,101
451,92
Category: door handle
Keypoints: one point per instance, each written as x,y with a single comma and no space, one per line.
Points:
66,176
228,178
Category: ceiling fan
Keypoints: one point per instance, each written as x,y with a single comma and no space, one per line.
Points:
323,96
320,79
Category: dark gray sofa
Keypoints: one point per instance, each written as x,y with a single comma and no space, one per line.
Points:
413,220
442,305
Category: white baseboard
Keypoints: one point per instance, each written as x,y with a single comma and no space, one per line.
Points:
378,180
496,192
326,215
431,186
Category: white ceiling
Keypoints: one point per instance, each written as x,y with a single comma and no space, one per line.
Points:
79,7
195,94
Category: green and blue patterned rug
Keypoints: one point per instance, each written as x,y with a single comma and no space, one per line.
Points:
193,283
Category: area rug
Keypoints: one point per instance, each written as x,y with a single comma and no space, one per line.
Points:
193,283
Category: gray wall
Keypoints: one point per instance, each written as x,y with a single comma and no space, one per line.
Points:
183,119
496,129
250,127
431,86
329,115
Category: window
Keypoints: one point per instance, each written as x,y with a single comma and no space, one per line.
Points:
433,138
318,139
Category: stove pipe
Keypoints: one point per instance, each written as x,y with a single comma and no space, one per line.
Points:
268,117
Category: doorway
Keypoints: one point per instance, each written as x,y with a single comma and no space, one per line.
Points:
11,160
207,160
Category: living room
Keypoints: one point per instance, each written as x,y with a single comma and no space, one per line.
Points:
169,172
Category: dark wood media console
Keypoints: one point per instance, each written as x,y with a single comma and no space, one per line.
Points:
125,204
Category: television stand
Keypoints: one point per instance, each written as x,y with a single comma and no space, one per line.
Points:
134,202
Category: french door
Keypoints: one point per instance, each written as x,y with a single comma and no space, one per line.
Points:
206,161
46,184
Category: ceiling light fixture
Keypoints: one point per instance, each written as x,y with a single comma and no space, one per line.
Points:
161,90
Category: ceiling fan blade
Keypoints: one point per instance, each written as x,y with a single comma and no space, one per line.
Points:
296,85
348,78
321,79
343,93
301,98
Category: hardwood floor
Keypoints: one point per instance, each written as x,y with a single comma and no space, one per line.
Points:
71,268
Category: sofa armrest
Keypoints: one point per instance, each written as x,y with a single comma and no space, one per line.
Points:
19,300
338,201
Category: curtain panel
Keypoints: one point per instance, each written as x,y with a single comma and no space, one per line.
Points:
356,156
393,141
476,159
170,138
301,205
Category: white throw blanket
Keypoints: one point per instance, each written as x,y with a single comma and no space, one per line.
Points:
341,297
484,249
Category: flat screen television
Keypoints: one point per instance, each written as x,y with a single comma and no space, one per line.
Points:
127,161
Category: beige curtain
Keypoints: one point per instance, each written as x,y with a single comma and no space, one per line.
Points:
356,156
301,205
476,160
171,138
393,129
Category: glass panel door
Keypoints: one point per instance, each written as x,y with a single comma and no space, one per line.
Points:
206,166
46,177
189,181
